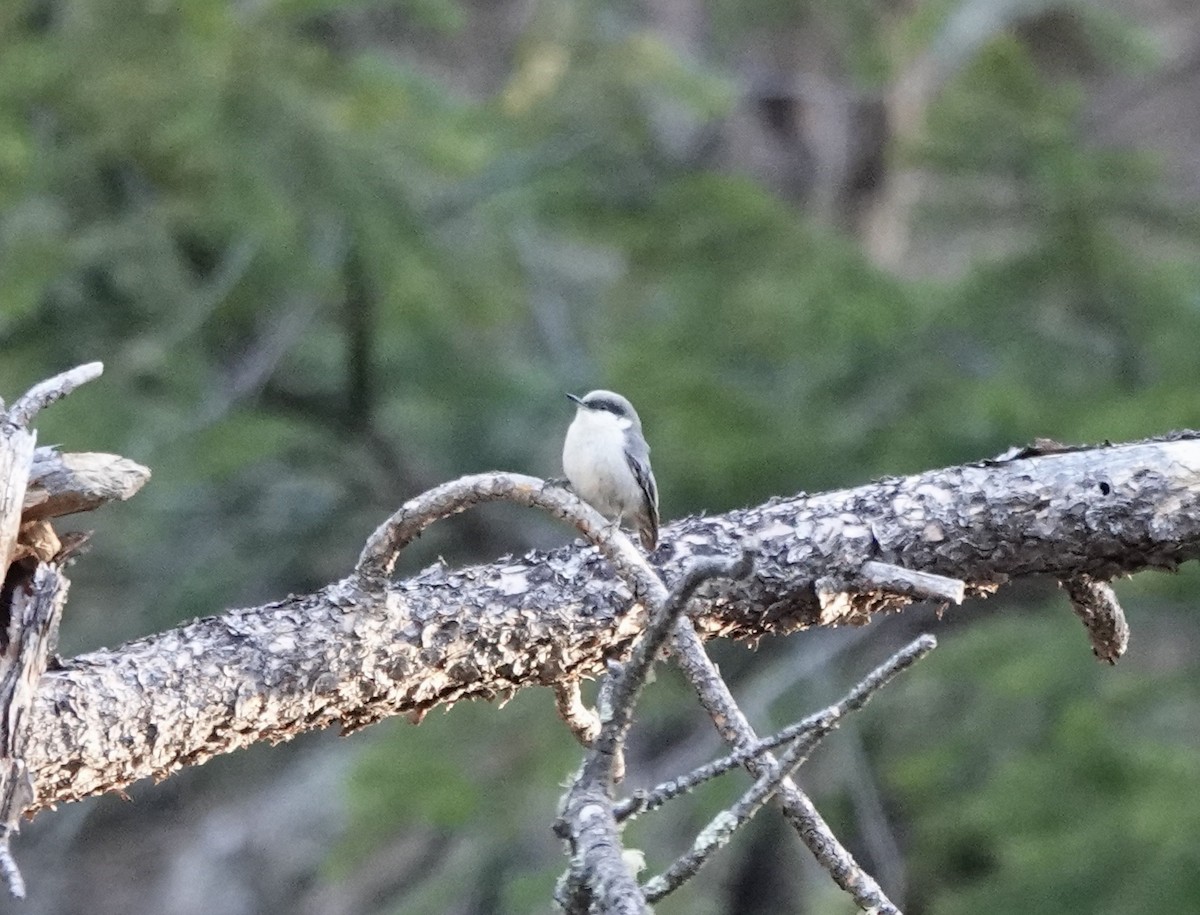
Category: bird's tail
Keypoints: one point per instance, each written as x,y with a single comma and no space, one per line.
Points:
647,528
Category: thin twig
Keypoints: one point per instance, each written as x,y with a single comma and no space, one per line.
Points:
651,799
813,728
633,675
911,583
599,878
44,393
772,777
798,810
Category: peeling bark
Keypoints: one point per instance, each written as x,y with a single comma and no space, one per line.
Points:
64,484
362,649
31,602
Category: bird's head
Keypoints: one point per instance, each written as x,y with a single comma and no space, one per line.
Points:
599,403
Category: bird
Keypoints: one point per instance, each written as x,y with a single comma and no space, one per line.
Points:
607,462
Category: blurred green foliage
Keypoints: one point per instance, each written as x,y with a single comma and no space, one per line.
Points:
323,277
1081,306
1053,783
446,793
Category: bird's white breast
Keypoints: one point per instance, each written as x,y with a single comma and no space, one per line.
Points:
594,461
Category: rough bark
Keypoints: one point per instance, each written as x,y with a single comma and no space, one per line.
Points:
63,484
31,602
16,456
599,878
362,649
36,606
1096,605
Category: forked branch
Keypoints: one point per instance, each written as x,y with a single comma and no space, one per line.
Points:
598,878
721,829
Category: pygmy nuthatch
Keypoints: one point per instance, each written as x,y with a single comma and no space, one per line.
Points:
607,461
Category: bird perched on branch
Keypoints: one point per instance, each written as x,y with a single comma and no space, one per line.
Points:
607,461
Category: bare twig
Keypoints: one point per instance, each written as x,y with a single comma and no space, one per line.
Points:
649,800
911,583
383,547
604,706
599,879
41,395
798,810
1095,603
633,674
810,730
773,775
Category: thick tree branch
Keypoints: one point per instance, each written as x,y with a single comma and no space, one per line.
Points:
365,648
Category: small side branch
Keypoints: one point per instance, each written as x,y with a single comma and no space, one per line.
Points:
629,683
808,733
849,597
911,583
583,722
599,878
771,780
41,395
64,484
798,810
383,547
1096,605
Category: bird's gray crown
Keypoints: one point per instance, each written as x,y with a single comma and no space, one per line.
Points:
608,401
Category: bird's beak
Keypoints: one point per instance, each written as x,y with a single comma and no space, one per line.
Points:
574,398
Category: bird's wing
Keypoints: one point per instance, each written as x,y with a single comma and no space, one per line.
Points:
638,458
